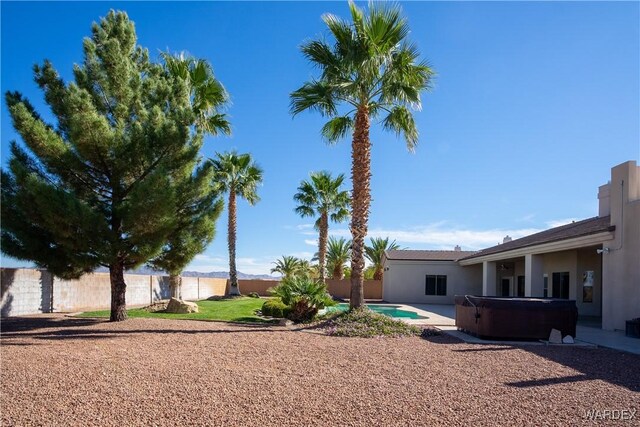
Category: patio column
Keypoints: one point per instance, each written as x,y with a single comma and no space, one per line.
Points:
533,276
488,278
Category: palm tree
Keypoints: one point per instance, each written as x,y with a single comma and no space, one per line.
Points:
198,206
373,71
338,254
322,196
288,266
207,95
236,174
375,252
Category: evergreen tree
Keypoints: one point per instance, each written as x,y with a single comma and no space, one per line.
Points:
102,187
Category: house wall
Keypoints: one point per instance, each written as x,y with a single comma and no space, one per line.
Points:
620,266
405,281
559,262
589,260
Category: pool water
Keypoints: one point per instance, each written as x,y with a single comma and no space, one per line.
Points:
387,310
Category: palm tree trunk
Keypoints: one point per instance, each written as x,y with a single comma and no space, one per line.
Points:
377,275
175,285
233,274
322,243
360,201
338,272
118,292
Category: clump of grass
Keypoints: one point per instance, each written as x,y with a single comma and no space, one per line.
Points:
365,323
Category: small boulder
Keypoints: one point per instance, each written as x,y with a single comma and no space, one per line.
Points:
181,307
555,337
285,322
568,340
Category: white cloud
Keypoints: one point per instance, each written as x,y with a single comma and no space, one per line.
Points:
311,242
442,236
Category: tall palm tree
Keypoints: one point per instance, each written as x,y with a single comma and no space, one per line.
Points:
288,266
198,208
236,174
374,71
338,254
375,252
321,196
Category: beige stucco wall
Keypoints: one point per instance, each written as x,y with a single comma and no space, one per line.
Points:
404,281
621,265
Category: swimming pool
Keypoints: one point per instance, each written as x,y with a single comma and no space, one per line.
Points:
387,310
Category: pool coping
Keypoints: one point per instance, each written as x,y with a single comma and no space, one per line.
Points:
429,318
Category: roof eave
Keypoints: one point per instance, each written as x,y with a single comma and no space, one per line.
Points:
555,246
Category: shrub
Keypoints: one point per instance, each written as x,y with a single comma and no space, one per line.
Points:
253,295
363,322
275,308
303,296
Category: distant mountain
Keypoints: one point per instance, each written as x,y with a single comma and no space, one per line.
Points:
213,274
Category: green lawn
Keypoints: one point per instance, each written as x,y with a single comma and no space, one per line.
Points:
227,310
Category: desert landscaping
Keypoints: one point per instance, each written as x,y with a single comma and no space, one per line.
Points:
59,370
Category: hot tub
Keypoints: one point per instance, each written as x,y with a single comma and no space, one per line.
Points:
515,318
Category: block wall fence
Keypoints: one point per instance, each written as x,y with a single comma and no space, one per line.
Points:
32,291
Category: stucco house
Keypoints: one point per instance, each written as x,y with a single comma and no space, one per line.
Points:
595,261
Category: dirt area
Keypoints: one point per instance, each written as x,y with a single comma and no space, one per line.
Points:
68,371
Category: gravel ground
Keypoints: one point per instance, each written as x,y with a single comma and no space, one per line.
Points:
66,371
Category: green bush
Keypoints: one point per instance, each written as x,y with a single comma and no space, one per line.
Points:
303,296
275,308
363,322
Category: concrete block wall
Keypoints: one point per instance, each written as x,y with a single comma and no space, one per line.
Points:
342,288
90,292
190,290
25,291
210,287
30,291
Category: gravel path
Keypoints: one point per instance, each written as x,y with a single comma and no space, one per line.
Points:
66,372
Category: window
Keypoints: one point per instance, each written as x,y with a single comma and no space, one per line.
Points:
520,286
545,286
560,283
436,285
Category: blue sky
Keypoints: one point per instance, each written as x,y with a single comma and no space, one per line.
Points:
532,106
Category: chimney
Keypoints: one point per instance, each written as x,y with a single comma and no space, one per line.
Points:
604,205
506,239
457,248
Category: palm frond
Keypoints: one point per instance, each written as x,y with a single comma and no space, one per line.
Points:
400,120
337,128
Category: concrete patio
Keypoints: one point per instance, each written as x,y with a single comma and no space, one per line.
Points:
443,317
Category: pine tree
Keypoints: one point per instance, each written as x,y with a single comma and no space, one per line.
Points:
102,187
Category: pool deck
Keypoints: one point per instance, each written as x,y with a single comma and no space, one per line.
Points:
444,318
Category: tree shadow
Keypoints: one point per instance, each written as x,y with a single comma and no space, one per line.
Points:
7,276
612,366
549,381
